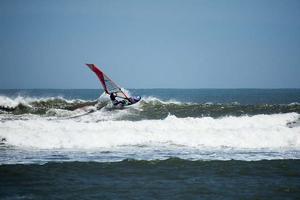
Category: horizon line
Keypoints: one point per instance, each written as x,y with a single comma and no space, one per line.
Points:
155,88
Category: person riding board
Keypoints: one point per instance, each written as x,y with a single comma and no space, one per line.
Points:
113,90
115,101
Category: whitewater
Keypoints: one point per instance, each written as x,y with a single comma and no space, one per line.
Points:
44,129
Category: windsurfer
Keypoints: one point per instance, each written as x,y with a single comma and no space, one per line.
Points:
115,101
113,90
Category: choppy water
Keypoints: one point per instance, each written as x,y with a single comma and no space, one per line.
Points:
211,130
167,179
39,126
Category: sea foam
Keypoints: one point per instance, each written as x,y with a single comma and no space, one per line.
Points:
250,132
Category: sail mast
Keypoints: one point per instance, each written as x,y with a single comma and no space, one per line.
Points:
107,83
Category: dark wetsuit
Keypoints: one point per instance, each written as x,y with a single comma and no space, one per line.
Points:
114,100
112,97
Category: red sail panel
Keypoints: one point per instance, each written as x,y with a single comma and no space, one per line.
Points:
108,85
100,75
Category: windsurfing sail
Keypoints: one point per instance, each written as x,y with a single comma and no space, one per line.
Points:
108,85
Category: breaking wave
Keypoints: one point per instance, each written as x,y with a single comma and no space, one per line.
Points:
63,127
255,132
148,108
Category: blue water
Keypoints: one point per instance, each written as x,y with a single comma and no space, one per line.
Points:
242,96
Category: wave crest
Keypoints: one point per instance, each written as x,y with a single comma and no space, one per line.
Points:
147,108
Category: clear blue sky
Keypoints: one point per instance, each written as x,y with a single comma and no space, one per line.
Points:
150,44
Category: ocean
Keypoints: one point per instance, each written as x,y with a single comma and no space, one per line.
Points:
173,144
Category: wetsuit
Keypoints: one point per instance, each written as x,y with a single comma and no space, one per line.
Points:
114,100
